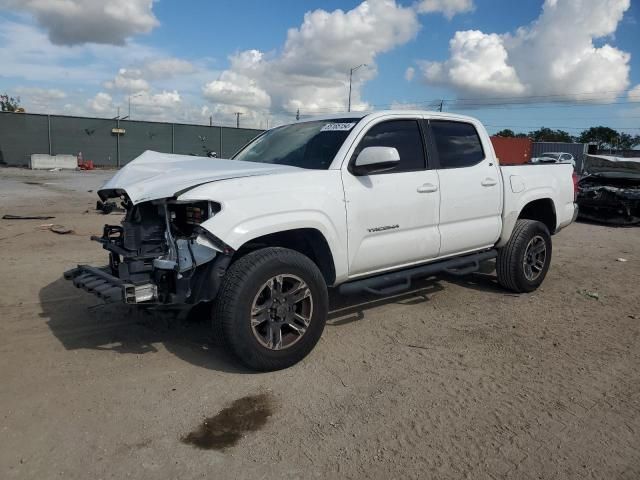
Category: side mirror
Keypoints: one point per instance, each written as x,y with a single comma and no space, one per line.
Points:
375,159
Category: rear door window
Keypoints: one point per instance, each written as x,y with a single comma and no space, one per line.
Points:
457,144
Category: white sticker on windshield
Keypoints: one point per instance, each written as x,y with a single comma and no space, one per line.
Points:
337,127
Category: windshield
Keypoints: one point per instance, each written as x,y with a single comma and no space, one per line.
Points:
555,156
306,144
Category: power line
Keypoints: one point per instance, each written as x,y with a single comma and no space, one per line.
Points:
484,106
523,101
570,94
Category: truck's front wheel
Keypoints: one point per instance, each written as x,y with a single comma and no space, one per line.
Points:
271,308
523,262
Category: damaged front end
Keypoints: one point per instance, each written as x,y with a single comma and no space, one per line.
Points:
159,255
610,192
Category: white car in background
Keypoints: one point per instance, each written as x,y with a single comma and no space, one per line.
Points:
555,157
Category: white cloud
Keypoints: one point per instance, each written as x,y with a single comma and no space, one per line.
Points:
129,80
41,94
169,67
479,62
136,78
75,22
332,42
27,53
409,74
554,55
163,99
634,93
35,99
236,89
448,8
164,105
311,73
100,104
397,105
99,66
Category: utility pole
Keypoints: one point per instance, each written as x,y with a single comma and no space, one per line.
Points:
211,120
238,119
118,140
440,107
351,70
117,119
298,115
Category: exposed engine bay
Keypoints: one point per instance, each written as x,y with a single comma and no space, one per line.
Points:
610,191
158,255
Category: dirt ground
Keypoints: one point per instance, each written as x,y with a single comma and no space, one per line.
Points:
456,379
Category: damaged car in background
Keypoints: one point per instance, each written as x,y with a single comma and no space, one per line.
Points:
609,190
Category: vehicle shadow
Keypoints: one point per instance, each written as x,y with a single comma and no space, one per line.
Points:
80,321
483,282
603,223
348,309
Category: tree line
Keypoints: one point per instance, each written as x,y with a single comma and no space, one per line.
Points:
604,137
9,104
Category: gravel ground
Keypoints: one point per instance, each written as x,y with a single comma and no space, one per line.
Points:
456,379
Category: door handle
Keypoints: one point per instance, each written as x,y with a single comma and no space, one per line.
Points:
488,182
427,188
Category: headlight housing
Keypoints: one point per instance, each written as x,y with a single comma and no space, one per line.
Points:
184,217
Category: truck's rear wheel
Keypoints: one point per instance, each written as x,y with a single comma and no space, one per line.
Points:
523,262
271,308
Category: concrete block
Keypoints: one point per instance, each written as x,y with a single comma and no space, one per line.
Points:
42,161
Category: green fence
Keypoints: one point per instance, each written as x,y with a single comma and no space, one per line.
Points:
22,134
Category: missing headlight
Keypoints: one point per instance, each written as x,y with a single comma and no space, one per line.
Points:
186,216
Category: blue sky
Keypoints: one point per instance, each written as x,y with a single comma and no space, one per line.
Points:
187,61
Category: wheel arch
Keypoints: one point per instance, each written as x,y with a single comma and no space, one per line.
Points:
542,210
535,205
307,241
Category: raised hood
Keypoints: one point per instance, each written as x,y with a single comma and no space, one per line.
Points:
155,175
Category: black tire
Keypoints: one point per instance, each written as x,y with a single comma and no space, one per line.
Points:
241,285
510,265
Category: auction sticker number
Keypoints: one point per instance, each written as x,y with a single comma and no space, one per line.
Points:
337,127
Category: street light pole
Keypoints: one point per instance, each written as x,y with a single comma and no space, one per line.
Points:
351,70
130,97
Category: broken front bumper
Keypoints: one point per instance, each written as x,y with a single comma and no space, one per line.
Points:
109,288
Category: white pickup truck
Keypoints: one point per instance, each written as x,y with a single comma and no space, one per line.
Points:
358,202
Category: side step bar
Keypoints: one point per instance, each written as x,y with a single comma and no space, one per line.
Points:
400,281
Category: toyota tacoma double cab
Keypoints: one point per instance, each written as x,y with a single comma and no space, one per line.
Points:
355,202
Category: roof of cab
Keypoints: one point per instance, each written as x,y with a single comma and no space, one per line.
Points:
382,113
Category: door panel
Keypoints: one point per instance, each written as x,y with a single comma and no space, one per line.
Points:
470,188
390,223
470,208
392,215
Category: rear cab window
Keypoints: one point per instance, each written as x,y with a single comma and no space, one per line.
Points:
456,144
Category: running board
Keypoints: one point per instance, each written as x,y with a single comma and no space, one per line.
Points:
400,281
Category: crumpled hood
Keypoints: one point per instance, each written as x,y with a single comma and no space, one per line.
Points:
155,175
